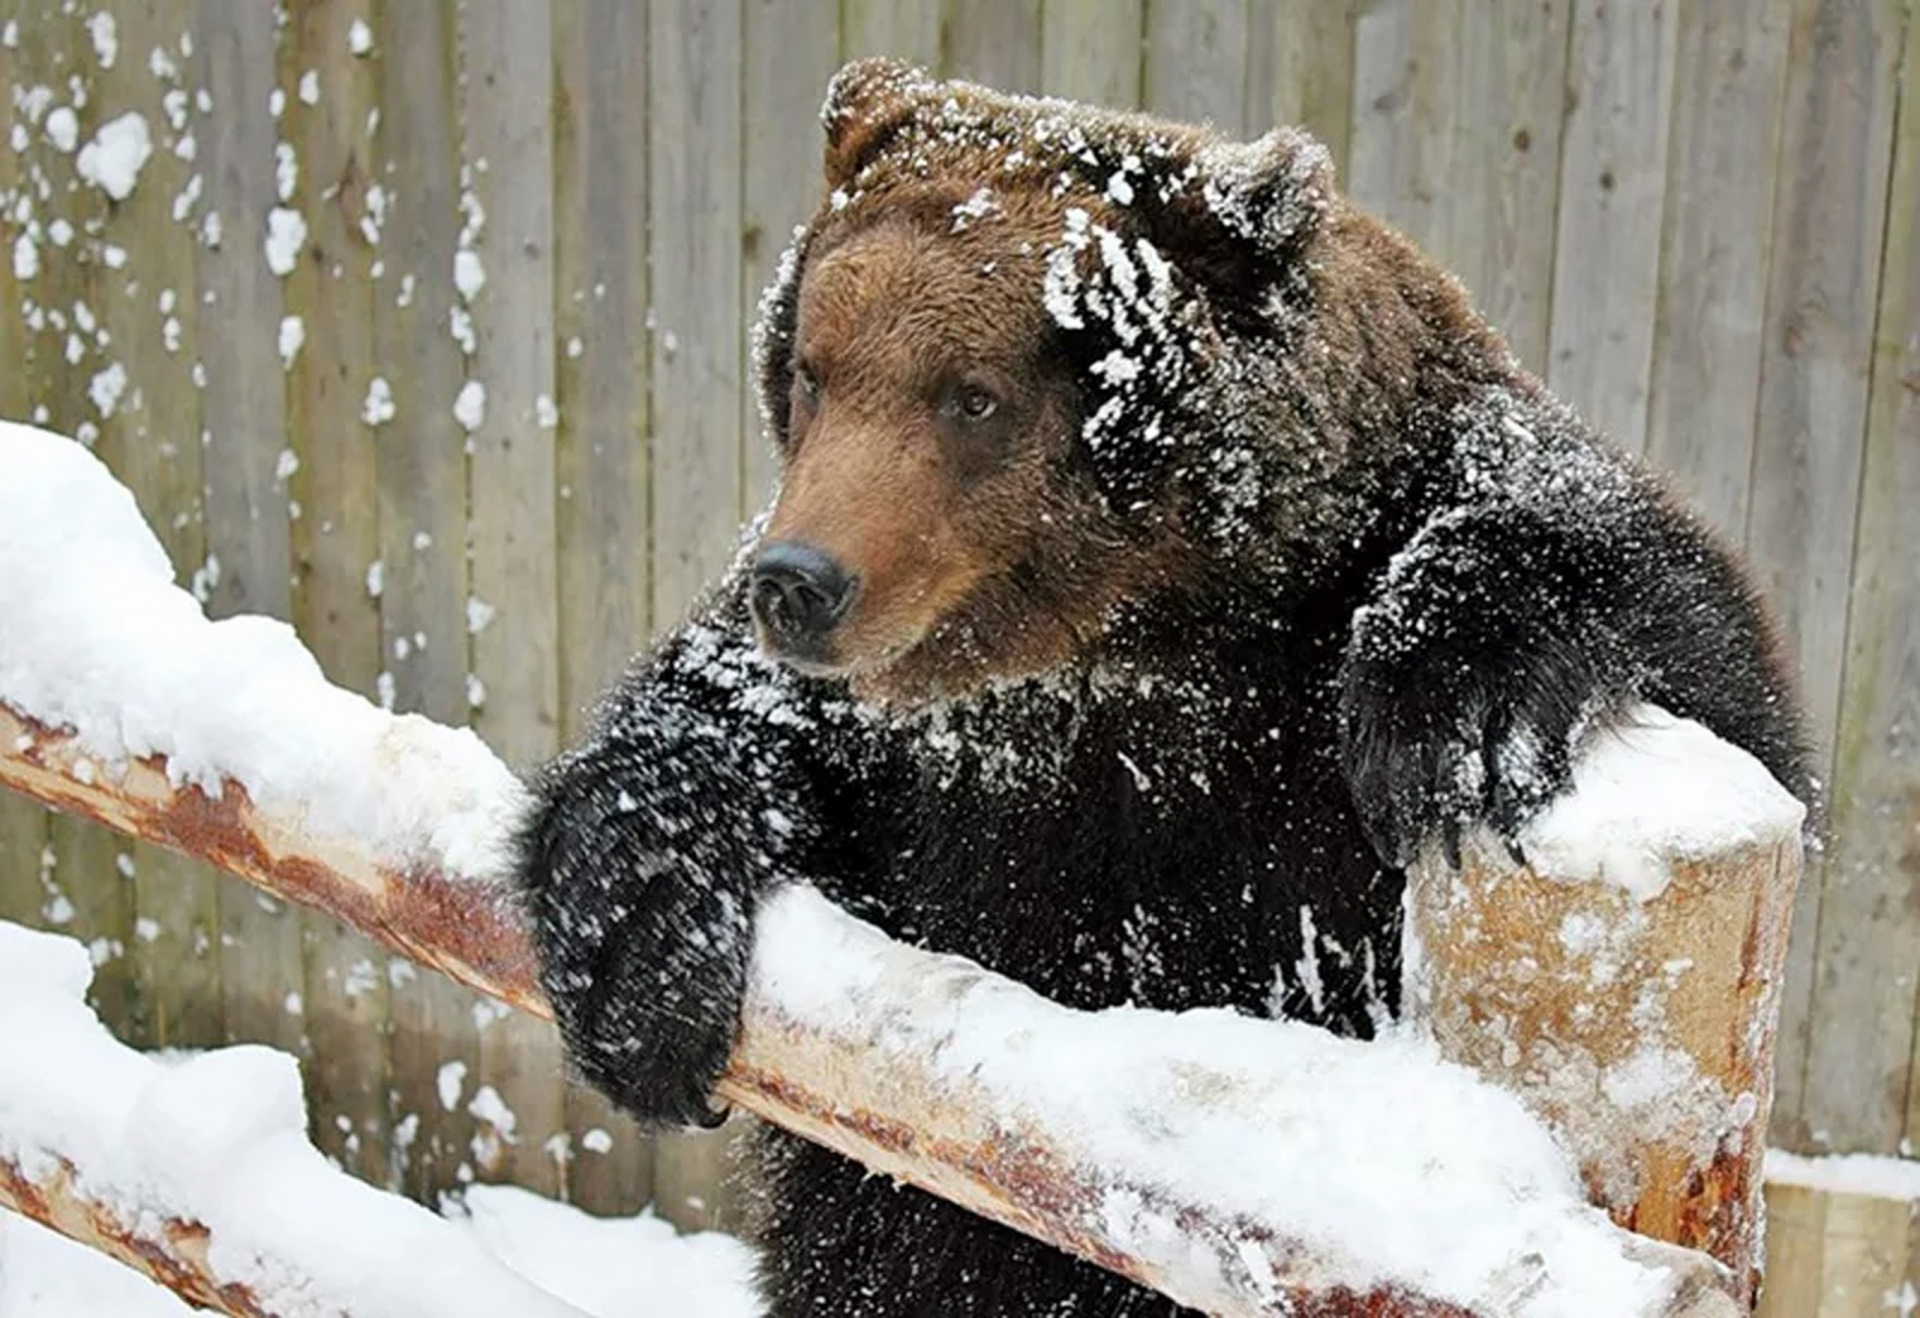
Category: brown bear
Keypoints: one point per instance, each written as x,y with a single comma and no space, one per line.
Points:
1164,552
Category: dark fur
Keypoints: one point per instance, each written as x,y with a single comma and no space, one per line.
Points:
1441,579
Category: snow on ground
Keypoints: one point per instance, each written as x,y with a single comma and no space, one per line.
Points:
220,1138
100,640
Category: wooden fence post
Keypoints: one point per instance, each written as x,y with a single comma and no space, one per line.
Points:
1625,983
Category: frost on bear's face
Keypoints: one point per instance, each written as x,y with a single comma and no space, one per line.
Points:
1009,370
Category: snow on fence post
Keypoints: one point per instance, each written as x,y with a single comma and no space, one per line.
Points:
1625,982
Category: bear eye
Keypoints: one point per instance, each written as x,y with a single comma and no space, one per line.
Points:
974,403
808,383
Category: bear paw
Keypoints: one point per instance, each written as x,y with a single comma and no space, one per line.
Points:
1428,759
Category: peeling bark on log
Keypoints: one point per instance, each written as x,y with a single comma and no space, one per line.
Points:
172,1252
791,1072
1642,1032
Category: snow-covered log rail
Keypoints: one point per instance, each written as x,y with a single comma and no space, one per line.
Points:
198,1172
1242,1167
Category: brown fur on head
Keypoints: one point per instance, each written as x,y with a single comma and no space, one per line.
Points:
932,401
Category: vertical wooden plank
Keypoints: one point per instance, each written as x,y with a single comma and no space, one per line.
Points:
1613,177
789,57
1405,66
1458,110
421,578
506,114
1196,61
1302,71
1093,50
600,294
996,42
1830,211
23,827
325,342
1498,216
1796,1241
694,61
1877,788
149,310
88,896
904,29
1729,81
243,415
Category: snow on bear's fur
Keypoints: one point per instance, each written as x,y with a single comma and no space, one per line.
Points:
1165,552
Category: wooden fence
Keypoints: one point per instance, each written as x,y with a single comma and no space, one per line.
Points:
485,425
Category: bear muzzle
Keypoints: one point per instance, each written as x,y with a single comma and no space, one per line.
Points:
799,596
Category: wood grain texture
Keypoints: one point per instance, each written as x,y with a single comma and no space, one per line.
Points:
789,56
904,29
507,139
1456,139
1867,958
695,131
600,290
151,312
422,476
1300,71
1838,1256
1830,211
1197,60
243,418
1730,76
997,42
336,532
1093,50
1613,183
86,892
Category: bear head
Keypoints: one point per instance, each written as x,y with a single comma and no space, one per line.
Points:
1016,371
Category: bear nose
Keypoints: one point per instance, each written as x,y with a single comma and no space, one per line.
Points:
798,592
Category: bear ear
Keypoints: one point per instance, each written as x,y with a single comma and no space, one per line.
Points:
866,102
1242,205
1270,192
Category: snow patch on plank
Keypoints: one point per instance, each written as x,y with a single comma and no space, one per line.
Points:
1863,1175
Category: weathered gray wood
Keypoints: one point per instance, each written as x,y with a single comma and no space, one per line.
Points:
1613,182
1093,50
1405,61
506,116
152,444
1879,789
82,891
422,580
600,441
336,533
1730,76
694,207
904,29
1830,210
789,55
1196,61
243,417
1498,218
1300,70
992,41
